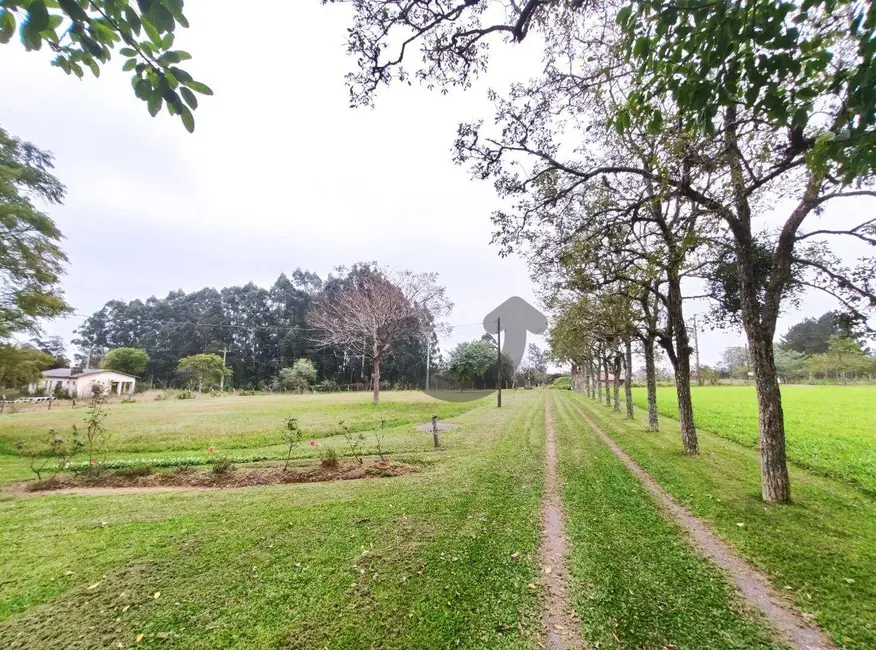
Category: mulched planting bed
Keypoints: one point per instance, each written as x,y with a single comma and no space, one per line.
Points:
231,478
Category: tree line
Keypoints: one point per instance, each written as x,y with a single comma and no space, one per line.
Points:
260,331
828,348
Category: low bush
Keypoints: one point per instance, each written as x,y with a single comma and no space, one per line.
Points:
223,465
327,386
561,383
328,457
134,470
185,394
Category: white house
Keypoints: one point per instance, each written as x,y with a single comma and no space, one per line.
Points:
78,382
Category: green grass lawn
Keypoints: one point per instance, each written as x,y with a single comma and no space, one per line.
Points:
829,429
635,582
236,426
821,550
421,561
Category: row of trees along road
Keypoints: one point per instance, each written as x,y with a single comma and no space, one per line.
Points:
651,148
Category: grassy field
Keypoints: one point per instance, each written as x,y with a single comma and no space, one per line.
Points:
829,429
236,426
635,583
444,557
820,550
418,561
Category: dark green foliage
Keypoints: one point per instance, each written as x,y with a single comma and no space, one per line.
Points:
21,365
134,471
470,361
722,282
132,361
31,262
85,35
812,336
185,394
53,346
777,59
264,330
203,370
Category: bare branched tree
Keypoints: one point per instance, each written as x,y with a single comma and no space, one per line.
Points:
372,310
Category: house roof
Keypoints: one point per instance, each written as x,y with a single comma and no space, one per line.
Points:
66,373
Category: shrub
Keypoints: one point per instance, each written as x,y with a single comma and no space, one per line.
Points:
327,386
328,457
160,397
185,394
561,383
378,436
354,440
55,453
247,393
134,470
223,465
96,436
127,400
291,436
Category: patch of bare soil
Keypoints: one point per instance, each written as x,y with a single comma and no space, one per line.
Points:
561,628
754,585
189,479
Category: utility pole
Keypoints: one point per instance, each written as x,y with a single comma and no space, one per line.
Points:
428,360
88,360
697,349
499,359
222,378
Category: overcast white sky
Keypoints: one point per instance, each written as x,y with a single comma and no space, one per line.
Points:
280,172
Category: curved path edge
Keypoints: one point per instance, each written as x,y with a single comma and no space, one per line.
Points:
752,583
562,631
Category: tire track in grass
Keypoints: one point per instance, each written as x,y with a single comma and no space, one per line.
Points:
752,584
561,628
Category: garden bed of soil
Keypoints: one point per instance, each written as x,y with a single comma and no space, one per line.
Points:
234,477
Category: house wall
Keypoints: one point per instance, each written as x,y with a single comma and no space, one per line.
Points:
124,384
79,386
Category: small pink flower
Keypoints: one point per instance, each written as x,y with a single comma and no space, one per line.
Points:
313,443
92,461
212,449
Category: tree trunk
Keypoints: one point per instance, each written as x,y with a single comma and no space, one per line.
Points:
775,484
607,383
628,379
774,480
759,320
375,375
682,367
617,371
599,383
651,382
591,386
